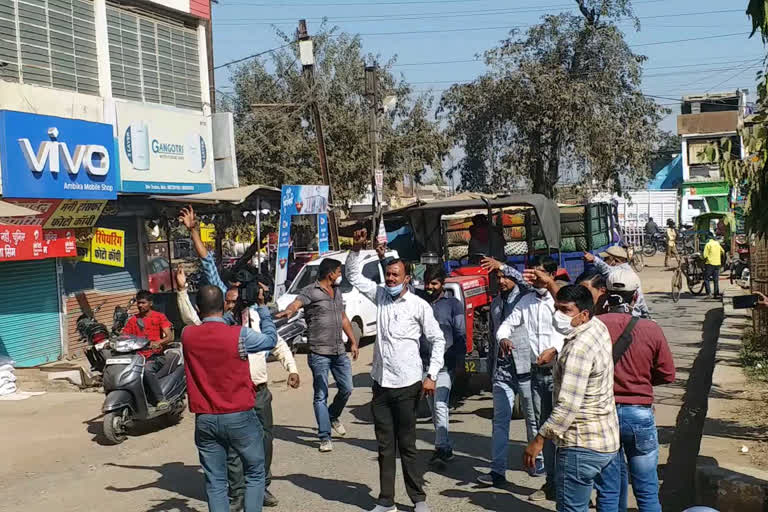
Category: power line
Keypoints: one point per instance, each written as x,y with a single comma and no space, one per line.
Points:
690,39
480,60
243,59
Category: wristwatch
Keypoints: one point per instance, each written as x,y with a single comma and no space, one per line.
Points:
432,377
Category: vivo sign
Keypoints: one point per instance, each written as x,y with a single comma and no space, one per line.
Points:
56,158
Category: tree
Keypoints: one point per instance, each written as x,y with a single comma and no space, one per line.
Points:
563,95
279,145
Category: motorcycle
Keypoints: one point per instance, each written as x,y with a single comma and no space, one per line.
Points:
126,396
655,243
95,333
740,264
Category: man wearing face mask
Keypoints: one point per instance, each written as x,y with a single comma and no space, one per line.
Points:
583,422
531,320
402,320
510,362
614,259
642,360
449,313
324,311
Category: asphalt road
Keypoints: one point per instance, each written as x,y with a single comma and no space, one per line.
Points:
52,456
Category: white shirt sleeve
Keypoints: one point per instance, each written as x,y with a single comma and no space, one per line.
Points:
434,334
358,280
283,354
512,322
187,312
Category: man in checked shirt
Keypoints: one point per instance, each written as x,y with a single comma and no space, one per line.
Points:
583,423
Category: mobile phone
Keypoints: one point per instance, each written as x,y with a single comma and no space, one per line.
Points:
745,301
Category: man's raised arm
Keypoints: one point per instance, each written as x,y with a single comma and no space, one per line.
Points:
354,271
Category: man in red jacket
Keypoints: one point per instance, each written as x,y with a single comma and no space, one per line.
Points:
642,360
222,397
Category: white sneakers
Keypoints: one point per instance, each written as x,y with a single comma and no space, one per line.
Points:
422,507
338,427
326,446
379,508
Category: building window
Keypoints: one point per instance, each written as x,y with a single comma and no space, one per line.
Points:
153,61
50,43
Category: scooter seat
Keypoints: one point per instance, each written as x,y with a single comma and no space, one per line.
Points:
172,361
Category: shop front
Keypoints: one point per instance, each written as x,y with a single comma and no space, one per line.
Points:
66,170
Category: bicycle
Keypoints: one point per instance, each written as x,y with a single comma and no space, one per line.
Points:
692,268
636,259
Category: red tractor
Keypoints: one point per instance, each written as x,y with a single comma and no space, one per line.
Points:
538,223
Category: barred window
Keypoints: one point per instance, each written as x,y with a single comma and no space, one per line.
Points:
152,60
50,43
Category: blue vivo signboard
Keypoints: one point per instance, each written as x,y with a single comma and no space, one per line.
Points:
56,158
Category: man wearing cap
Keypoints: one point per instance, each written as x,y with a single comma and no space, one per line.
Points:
612,260
642,360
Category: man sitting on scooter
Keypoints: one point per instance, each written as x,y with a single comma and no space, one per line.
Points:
156,327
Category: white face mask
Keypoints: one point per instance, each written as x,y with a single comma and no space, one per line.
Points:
563,323
542,291
337,282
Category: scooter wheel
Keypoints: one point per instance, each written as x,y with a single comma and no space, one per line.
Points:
114,427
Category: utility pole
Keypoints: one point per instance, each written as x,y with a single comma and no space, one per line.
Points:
377,177
209,49
306,53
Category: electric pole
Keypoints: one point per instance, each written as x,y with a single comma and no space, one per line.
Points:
209,50
377,177
306,53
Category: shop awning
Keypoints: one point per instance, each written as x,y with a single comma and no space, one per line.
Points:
233,196
11,210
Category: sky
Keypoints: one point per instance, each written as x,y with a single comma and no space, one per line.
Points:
693,46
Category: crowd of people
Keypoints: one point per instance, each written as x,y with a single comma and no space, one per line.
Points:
581,358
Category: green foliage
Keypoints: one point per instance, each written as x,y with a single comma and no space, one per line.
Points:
753,356
564,95
277,145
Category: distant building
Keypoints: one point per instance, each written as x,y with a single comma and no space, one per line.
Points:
704,121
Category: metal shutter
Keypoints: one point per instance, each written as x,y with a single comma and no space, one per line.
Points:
56,40
29,312
152,60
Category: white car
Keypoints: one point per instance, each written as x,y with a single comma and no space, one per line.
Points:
360,310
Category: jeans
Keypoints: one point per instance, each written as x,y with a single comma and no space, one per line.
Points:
394,419
712,272
503,405
235,472
578,470
215,434
640,446
341,369
152,365
543,386
438,404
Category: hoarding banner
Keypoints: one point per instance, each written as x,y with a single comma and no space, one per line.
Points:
322,233
46,157
75,214
296,200
107,247
45,206
20,243
164,151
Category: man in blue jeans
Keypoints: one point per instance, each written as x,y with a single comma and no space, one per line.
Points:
510,361
583,422
324,311
449,313
639,366
222,397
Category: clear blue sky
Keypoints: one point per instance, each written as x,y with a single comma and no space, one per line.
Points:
438,31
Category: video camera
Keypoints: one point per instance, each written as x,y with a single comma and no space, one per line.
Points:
250,286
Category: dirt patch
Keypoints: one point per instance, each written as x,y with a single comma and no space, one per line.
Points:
750,418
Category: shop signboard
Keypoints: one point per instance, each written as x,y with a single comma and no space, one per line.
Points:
75,214
163,150
106,247
46,207
322,233
295,200
46,157
20,243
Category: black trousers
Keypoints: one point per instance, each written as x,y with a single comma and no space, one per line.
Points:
712,272
152,365
394,418
235,473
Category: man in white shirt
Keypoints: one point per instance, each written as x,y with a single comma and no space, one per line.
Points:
402,319
534,316
260,378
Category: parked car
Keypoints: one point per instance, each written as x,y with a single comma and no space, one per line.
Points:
360,310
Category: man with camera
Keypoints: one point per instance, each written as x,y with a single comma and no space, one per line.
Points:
241,302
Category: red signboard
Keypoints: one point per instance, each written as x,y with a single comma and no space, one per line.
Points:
19,243
46,207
